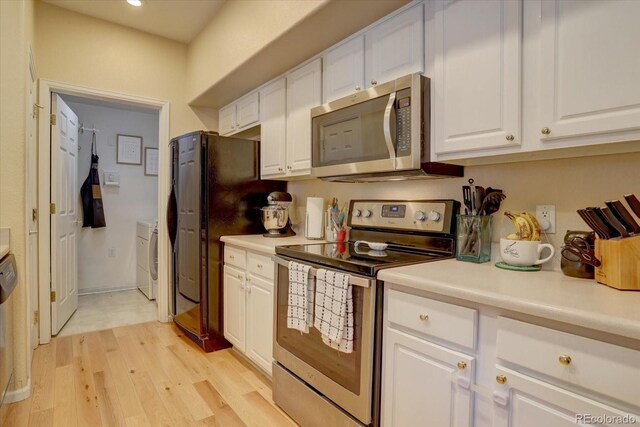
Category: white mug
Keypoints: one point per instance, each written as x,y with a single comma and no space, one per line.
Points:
524,252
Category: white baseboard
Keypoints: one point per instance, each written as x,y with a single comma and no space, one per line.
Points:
18,395
107,290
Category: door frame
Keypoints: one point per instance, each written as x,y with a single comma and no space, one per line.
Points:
46,88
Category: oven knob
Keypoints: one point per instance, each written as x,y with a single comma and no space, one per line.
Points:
420,216
357,213
434,216
367,213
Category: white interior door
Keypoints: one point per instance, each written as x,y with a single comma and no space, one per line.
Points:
64,221
32,202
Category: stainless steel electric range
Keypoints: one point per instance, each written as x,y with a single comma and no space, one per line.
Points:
316,384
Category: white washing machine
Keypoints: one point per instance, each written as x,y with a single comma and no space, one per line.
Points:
147,257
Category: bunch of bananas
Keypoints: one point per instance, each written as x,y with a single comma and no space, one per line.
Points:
527,226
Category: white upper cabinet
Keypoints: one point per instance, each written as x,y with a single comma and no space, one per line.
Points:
304,91
239,115
248,110
343,69
273,129
475,49
589,68
395,47
227,120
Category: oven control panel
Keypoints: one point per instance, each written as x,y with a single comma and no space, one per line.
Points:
424,215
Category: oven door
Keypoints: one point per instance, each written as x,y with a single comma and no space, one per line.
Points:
345,379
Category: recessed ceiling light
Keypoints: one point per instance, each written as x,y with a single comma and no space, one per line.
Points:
136,3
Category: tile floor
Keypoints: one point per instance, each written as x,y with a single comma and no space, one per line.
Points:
109,310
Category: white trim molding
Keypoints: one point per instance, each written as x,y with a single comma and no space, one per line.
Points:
17,395
46,87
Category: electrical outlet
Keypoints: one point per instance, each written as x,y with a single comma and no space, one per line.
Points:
112,252
546,216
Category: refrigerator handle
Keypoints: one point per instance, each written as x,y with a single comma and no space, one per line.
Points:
172,216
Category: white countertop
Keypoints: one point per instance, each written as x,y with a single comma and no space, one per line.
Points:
257,242
547,294
4,241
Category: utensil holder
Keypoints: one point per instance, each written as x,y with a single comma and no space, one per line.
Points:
620,258
473,243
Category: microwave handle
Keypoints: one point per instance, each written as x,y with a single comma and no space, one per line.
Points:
388,122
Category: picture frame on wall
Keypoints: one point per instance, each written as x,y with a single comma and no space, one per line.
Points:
129,149
150,161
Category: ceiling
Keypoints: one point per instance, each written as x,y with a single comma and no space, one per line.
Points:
179,20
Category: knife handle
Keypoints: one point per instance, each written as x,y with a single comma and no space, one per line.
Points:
614,222
634,203
622,214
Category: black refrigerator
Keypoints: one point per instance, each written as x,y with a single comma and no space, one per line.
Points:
215,191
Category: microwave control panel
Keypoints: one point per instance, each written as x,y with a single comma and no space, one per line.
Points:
403,122
435,215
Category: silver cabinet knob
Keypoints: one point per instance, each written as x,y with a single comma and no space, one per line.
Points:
510,137
545,131
239,276
358,87
374,82
289,167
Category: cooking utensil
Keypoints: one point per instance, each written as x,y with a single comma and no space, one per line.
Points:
579,250
634,203
587,218
466,198
376,246
598,217
473,196
576,268
491,203
479,197
614,222
623,215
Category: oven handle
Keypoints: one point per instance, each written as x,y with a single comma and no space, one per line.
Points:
354,280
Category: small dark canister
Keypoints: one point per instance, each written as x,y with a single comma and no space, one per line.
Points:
577,268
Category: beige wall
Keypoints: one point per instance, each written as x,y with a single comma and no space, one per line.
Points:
16,33
569,184
81,50
239,30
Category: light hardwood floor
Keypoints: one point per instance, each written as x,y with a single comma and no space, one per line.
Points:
143,375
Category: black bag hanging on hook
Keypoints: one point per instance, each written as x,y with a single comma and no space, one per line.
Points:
91,194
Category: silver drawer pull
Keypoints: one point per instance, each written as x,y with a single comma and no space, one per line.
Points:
424,317
239,276
231,257
259,265
565,360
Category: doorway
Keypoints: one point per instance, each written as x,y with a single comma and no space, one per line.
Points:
106,257
115,257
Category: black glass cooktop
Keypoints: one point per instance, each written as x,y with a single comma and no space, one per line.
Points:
363,260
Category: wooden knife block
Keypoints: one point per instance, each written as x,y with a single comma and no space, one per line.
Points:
620,260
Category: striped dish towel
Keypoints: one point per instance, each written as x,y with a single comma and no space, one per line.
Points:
334,309
301,294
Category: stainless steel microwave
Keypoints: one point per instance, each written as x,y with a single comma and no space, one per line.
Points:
379,134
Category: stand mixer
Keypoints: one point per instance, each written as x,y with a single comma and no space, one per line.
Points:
275,217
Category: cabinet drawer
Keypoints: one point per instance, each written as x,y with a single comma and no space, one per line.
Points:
594,365
235,257
439,319
260,265
142,253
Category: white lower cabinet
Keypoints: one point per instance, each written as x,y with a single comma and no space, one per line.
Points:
248,305
424,384
520,375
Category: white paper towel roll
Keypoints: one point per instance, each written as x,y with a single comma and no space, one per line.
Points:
314,227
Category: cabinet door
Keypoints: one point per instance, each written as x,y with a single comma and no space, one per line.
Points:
304,91
227,119
477,74
343,70
260,321
420,383
529,402
234,307
395,47
589,68
248,110
273,129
